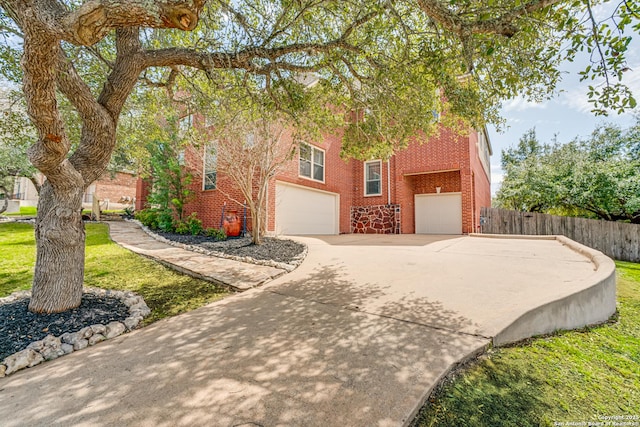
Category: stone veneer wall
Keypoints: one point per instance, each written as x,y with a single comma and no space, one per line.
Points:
378,219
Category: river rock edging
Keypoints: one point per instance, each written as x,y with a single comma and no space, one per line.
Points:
52,347
287,266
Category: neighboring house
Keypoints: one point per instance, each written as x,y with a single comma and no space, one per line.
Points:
435,188
113,190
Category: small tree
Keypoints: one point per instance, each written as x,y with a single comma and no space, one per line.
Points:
250,153
170,180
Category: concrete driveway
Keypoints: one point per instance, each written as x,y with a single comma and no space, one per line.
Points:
356,336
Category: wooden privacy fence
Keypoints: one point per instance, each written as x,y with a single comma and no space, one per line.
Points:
616,239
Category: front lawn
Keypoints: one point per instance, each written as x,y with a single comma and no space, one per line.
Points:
107,266
24,211
565,379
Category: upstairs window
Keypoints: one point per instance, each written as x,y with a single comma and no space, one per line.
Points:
210,167
373,178
311,162
484,152
184,126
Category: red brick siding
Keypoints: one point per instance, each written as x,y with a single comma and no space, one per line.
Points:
452,156
448,152
449,182
337,178
481,182
116,187
143,187
208,204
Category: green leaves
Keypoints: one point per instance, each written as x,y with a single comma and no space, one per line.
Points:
596,177
386,58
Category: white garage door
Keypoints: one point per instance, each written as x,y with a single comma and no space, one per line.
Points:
303,211
438,213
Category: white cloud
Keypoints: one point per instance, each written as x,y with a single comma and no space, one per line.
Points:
576,98
497,176
520,104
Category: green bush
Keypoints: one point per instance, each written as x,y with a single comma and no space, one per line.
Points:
129,211
148,217
181,227
162,219
218,234
156,219
165,221
194,224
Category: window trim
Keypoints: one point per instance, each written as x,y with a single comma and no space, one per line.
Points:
185,123
379,162
324,163
204,167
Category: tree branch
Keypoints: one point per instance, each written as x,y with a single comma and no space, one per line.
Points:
92,21
502,25
125,73
75,89
98,132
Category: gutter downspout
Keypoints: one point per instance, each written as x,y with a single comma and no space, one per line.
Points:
388,182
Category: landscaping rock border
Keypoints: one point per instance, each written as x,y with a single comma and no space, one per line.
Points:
287,266
52,347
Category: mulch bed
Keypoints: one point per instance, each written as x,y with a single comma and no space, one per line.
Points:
279,250
19,327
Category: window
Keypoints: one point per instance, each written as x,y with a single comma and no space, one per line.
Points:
311,162
250,140
184,125
373,178
210,174
484,151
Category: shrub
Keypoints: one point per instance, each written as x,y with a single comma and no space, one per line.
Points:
148,217
165,221
129,212
217,234
194,224
181,227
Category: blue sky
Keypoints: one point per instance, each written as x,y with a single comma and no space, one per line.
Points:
567,115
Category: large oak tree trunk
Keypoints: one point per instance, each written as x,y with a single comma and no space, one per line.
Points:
60,238
59,232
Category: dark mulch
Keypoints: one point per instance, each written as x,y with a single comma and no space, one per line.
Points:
279,250
19,327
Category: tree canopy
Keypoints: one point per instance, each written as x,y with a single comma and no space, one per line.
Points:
598,176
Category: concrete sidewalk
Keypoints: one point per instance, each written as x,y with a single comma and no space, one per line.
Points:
358,335
236,275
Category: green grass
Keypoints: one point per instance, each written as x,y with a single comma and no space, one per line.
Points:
24,211
105,211
107,266
575,376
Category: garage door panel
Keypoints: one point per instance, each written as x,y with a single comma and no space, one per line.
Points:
438,213
305,211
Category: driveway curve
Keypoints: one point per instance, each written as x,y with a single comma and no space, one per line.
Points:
358,335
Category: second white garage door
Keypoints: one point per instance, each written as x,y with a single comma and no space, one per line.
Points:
438,213
301,210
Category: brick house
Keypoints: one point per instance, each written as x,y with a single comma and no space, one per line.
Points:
114,190
434,188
